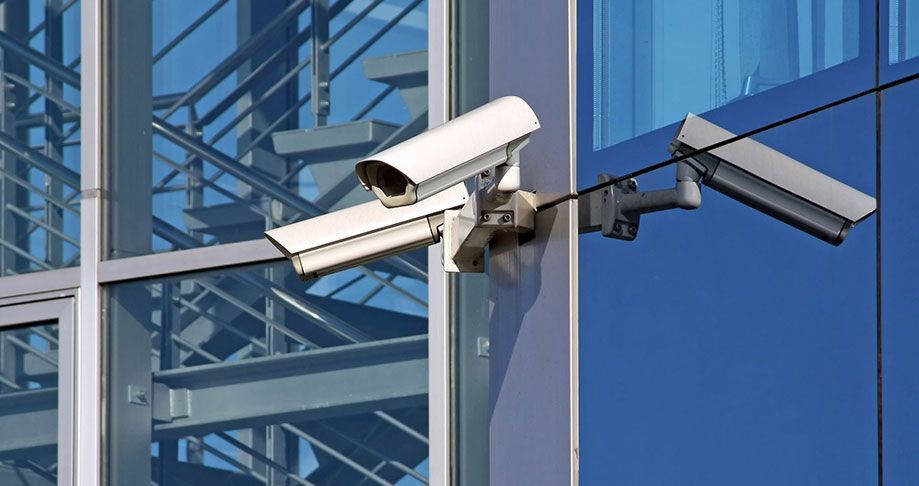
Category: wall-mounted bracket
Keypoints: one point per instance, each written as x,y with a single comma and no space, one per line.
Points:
497,205
616,209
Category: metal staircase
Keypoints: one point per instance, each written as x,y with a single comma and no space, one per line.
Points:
327,368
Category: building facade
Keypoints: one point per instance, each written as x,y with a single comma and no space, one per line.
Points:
149,334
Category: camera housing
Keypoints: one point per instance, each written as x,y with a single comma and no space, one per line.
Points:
473,143
772,182
360,234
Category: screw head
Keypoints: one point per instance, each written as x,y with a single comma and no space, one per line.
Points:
633,229
486,217
617,228
506,218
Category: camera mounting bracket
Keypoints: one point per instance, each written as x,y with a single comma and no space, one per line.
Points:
496,205
616,209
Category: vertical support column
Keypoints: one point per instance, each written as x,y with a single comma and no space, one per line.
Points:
87,453
252,17
169,359
14,20
533,344
54,122
319,78
128,111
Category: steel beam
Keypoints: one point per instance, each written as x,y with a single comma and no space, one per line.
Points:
293,387
28,420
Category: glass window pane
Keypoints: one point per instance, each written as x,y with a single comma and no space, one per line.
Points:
904,30
647,64
39,135
900,298
252,374
725,347
901,42
28,405
253,127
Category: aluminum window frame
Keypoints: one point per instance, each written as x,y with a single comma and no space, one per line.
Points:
62,310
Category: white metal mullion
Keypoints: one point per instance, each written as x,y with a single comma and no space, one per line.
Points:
88,331
439,417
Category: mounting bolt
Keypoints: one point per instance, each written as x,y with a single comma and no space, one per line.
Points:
633,229
506,218
486,173
486,217
617,228
137,395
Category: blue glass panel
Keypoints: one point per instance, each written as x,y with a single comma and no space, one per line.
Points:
28,405
235,78
725,347
643,65
39,135
900,297
899,39
321,382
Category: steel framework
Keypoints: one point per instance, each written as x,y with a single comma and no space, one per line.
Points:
232,372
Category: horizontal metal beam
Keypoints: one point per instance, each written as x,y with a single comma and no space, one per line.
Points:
29,423
38,59
174,262
39,282
260,182
295,387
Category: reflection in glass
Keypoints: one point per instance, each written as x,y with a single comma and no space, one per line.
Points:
256,375
725,347
904,30
39,135
261,108
28,405
656,60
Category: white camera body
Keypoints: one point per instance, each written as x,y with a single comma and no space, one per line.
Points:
441,157
772,182
360,234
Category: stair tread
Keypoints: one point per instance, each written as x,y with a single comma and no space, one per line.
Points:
339,141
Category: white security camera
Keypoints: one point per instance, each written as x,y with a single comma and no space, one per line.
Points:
473,143
360,234
772,182
420,188
745,170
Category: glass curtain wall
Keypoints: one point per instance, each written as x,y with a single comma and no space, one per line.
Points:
259,110
39,135
900,295
257,377
742,63
722,346
231,117
725,347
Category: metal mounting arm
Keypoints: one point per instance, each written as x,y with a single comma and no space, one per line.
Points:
497,205
616,210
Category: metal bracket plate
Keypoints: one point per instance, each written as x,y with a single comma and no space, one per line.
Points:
468,231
